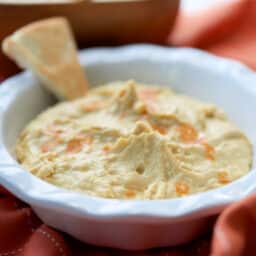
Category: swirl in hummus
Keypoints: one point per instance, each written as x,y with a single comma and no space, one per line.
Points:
131,141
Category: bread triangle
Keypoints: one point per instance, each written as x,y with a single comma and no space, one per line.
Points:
48,48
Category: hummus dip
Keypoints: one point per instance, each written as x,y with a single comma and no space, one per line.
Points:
131,141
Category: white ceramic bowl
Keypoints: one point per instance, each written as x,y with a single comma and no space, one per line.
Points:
121,223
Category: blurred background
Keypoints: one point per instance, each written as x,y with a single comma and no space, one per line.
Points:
99,23
223,27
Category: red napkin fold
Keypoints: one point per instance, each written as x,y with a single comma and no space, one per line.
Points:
228,30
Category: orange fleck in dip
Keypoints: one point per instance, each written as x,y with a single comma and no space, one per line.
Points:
181,188
106,149
92,106
223,177
49,145
187,133
209,151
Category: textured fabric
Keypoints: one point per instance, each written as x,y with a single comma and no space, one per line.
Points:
23,234
227,30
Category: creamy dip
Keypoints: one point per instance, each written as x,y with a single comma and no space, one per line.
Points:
130,141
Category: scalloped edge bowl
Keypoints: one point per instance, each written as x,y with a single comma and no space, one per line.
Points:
134,224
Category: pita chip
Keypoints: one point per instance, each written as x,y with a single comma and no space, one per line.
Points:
48,48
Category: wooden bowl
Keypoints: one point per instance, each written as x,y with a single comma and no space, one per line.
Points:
98,22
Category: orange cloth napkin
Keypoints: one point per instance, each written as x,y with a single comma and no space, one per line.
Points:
228,30
23,234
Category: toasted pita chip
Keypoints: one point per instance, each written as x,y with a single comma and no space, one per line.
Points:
48,48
